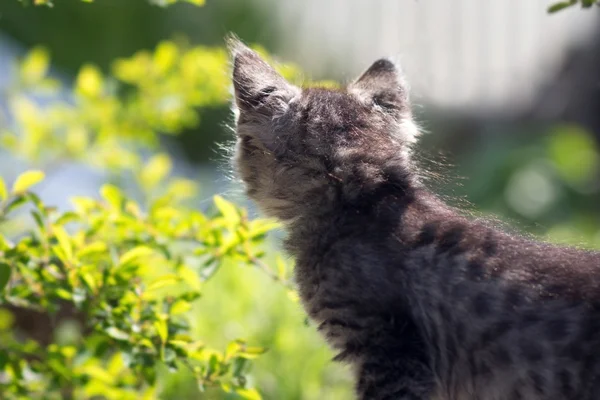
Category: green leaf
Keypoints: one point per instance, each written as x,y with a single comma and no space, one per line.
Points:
248,394
67,217
94,248
15,203
59,368
227,210
252,352
260,227
190,277
98,373
213,364
182,188
281,267
64,294
63,241
162,329
149,374
39,221
4,243
157,168
35,66
27,180
180,307
560,6
136,255
574,153
34,198
112,195
3,191
116,333
89,82
5,271
163,281
3,359
89,281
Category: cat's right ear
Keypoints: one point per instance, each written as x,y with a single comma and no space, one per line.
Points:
258,87
383,84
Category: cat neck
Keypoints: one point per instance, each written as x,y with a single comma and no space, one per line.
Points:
390,209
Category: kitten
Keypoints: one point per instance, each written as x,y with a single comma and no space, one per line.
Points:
423,302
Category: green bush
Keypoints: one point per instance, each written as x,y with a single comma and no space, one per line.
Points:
115,278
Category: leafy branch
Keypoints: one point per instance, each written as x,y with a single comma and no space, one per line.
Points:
162,3
570,3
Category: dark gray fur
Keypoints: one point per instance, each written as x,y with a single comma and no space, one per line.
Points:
423,302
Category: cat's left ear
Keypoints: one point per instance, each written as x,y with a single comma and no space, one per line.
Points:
383,85
258,87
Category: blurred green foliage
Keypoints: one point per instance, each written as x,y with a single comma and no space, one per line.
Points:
541,179
77,33
50,3
569,3
129,271
105,119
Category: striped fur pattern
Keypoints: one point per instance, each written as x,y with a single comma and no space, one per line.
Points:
422,302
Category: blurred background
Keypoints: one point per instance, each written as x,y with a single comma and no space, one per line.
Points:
508,95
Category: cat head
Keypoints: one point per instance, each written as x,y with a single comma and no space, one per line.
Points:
307,151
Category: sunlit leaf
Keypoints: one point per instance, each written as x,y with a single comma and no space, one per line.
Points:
94,248
3,191
190,277
165,56
89,81
96,372
157,168
89,281
35,66
252,352
163,281
112,195
293,295
180,307
281,267
259,227
228,210
162,329
4,243
135,255
63,240
116,333
26,180
182,188
248,394
64,294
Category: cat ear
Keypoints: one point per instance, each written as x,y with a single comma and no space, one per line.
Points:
383,85
258,87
